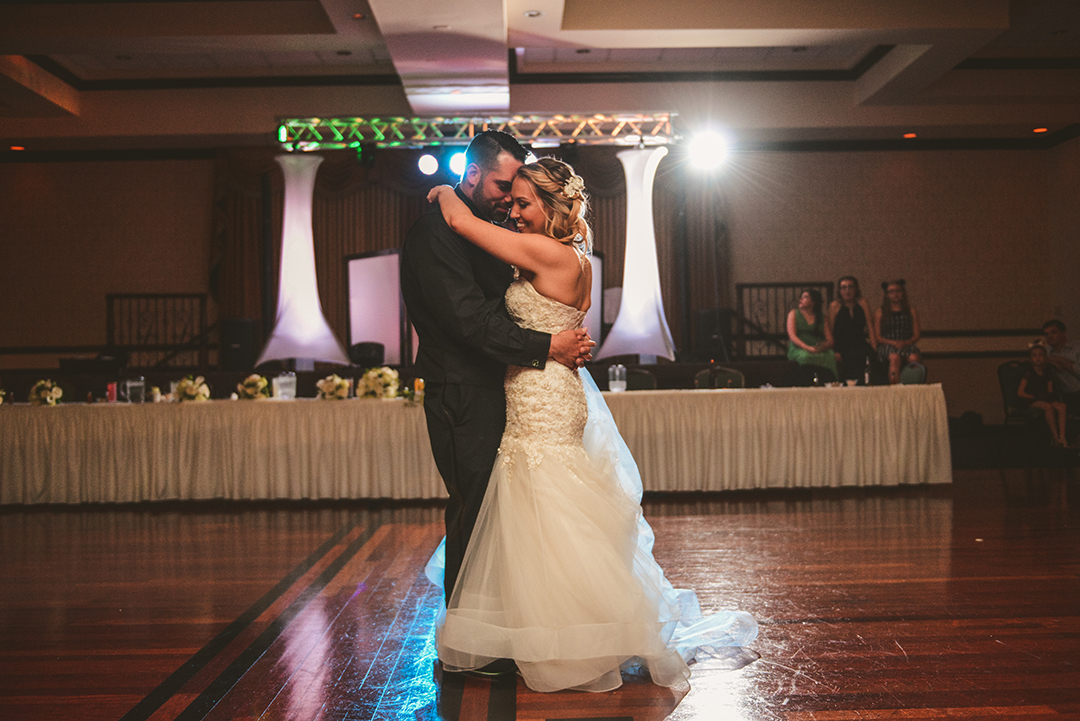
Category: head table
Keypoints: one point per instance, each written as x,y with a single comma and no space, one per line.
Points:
363,448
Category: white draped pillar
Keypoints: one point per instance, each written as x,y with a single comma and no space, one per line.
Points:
300,330
640,328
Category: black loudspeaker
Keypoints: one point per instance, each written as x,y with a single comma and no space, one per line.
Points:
237,345
367,355
712,336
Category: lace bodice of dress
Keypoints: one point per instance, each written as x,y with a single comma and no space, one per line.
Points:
545,409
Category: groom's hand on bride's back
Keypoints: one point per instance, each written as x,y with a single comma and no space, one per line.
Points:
572,348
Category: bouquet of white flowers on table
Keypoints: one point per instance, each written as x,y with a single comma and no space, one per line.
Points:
333,388
253,387
378,383
192,389
45,393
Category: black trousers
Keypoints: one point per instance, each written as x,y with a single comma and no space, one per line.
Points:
465,425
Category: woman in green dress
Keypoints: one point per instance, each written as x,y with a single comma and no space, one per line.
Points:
810,338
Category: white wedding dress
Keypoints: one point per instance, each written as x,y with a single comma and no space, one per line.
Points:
559,573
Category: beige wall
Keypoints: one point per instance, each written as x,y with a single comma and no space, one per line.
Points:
985,240
1064,233
73,232
967,230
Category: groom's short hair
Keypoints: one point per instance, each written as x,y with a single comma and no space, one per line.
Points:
486,147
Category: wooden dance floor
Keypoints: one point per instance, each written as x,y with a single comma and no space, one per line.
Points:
948,601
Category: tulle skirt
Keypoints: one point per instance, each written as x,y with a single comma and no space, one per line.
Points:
559,576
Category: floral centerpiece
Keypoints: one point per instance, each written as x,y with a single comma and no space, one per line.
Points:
192,389
45,393
333,388
253,387
378,383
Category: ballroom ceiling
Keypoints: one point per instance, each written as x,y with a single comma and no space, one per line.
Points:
203,74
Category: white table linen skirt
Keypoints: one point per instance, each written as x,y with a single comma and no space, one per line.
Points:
307,449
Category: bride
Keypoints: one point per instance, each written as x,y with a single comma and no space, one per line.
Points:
559,574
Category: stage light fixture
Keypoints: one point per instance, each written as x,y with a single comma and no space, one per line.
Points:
1040,130
909,136
428,164
708,150
457,163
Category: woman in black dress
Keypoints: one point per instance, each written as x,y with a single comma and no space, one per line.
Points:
853,334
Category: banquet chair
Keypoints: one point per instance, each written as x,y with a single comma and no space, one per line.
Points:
639,379
719,377
913,374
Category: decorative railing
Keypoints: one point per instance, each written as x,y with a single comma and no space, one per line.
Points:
761,315
159,330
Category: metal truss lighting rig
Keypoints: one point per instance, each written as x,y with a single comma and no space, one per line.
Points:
307,134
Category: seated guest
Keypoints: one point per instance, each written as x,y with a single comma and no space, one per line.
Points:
1037,390
896,325
810,340
1065,358
849,319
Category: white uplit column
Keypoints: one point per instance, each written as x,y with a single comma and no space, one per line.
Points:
640,326
300,331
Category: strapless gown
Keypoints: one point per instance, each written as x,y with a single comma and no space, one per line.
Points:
559,573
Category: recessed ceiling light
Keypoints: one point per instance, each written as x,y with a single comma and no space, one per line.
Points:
910,135
1040,130
18,147
533,13
358,16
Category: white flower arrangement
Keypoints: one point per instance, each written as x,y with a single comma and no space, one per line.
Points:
253,387
378,383
333,388
45,393
192,389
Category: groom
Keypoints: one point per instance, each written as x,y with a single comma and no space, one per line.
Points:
454,295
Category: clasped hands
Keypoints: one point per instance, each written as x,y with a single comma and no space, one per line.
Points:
572,348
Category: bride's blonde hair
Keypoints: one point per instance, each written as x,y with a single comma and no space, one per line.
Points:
565,201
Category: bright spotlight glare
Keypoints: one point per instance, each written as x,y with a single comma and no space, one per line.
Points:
457,163
428,164
708,150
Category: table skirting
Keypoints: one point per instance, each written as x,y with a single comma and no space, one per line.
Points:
786,437
682,440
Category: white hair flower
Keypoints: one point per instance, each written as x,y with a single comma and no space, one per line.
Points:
574,187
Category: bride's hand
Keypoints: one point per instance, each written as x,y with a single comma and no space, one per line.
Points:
434,193
572,348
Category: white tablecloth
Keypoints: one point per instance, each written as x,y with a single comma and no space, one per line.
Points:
682,440
216,449
786,437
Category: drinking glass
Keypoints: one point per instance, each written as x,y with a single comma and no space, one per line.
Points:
135,390
616,377
286,383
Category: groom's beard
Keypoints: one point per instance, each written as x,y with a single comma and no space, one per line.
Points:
495,212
